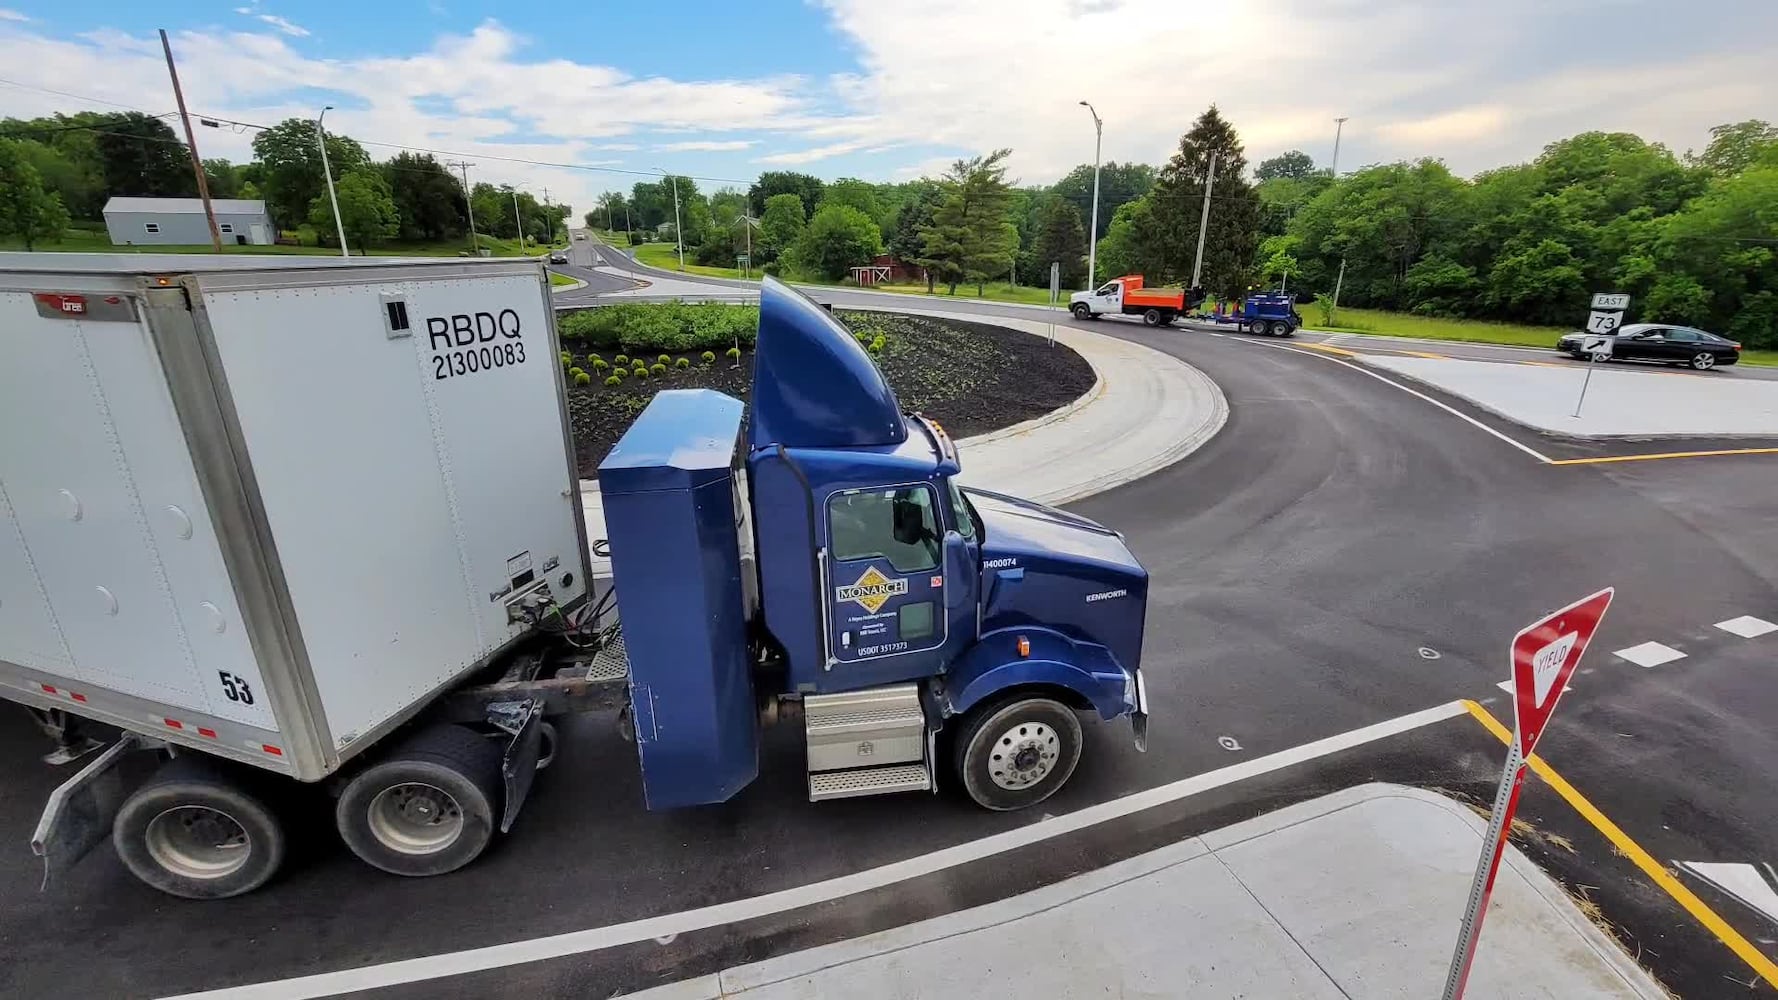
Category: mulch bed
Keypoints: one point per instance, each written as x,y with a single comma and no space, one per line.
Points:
971,377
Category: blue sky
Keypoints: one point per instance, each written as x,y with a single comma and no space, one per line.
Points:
892,90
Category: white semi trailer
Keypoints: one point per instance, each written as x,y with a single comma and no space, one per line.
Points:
271,511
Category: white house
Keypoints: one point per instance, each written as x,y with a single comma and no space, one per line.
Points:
180,221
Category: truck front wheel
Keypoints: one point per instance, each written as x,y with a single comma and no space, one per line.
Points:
1014,754
429,808
1081,310
193,831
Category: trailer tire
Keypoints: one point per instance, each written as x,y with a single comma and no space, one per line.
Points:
1277,328
1151,317
194,831
1081,310
428,808
1038,743
1168,318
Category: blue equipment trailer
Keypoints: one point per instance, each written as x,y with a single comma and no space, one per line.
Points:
816,559
1271,313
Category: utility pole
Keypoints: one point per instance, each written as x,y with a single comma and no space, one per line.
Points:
1204,220
1333,314
327,173
191,143
519,219
629,237
1093,233
549,221
1339,127
678,233
468,203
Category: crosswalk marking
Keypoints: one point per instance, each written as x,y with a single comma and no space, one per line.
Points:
1650,654
1747,626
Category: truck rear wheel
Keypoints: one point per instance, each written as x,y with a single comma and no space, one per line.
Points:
1081,310
429,808
193,831
1014,754
1151,317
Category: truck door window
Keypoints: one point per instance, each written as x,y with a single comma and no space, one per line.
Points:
1110,289
900,525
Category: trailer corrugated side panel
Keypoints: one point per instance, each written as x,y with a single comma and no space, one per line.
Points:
411,478
115,599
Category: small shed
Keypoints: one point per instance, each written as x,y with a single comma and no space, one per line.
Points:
181,222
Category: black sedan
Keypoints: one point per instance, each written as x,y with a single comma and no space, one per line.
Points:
1675,345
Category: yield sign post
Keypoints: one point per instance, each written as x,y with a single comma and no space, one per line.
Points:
1544,656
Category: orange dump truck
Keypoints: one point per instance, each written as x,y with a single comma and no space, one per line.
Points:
1126,295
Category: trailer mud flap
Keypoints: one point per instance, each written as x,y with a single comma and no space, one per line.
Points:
518,766
1139,718
79,813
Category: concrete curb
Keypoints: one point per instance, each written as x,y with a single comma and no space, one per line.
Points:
902,943
575,287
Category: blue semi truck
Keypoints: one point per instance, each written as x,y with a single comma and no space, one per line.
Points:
365,566
817,557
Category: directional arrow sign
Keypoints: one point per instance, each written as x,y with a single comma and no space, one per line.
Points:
1544,657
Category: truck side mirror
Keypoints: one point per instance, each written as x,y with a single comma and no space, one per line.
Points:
959,571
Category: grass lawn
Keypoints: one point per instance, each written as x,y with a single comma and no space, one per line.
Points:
994,291
556,279
666,257
1393,324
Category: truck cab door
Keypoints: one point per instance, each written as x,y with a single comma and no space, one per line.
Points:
885,584
1109,298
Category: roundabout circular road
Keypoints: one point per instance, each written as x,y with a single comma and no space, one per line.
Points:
1300,562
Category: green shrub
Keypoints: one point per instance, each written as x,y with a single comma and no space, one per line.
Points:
620,373
665,359
733,353
582,378
567,358
621,359
639,371
599,364
613,380
594,359
682,363
876,344
708,356
576,371
657,369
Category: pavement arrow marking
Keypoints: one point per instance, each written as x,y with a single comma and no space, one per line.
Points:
1742,881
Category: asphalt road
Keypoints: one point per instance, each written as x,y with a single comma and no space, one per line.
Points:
1301,563
586,263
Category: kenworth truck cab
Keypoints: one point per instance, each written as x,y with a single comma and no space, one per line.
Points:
817,556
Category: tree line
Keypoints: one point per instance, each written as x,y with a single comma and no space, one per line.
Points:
61,170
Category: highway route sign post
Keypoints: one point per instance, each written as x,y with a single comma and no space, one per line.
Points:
1602,324
1544,656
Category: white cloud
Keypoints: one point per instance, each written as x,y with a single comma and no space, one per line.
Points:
286,26
815,154
706,146
7,14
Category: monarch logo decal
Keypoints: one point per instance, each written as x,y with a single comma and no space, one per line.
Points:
871,591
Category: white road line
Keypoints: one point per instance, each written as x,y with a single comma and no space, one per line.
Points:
458,963
1507,686
1459,414
1650,654
1742,881
1747,627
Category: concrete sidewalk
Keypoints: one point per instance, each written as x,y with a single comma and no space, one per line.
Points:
1145,411
1356,894
1619,403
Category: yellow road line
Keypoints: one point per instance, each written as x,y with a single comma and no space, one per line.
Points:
1699,910
1330,350
1545,364
1427,354
1667,454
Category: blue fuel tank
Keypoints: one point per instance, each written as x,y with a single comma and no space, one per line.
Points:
669,489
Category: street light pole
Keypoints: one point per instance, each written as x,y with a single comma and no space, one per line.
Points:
678,233
327,172
1339,127
1093,233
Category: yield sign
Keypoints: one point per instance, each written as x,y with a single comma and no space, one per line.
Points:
1544,657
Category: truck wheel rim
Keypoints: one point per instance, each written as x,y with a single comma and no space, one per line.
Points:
1023,755
415,818
198,842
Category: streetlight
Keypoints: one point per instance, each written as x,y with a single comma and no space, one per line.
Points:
1093,233
1339,126
327,172
678,234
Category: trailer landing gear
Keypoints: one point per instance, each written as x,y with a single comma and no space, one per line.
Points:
1014,754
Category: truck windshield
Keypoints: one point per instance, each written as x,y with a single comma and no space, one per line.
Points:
968,525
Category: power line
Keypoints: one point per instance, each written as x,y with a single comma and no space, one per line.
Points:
76,97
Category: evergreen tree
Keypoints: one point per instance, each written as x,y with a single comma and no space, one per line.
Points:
1062,239
971,237
1166,236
